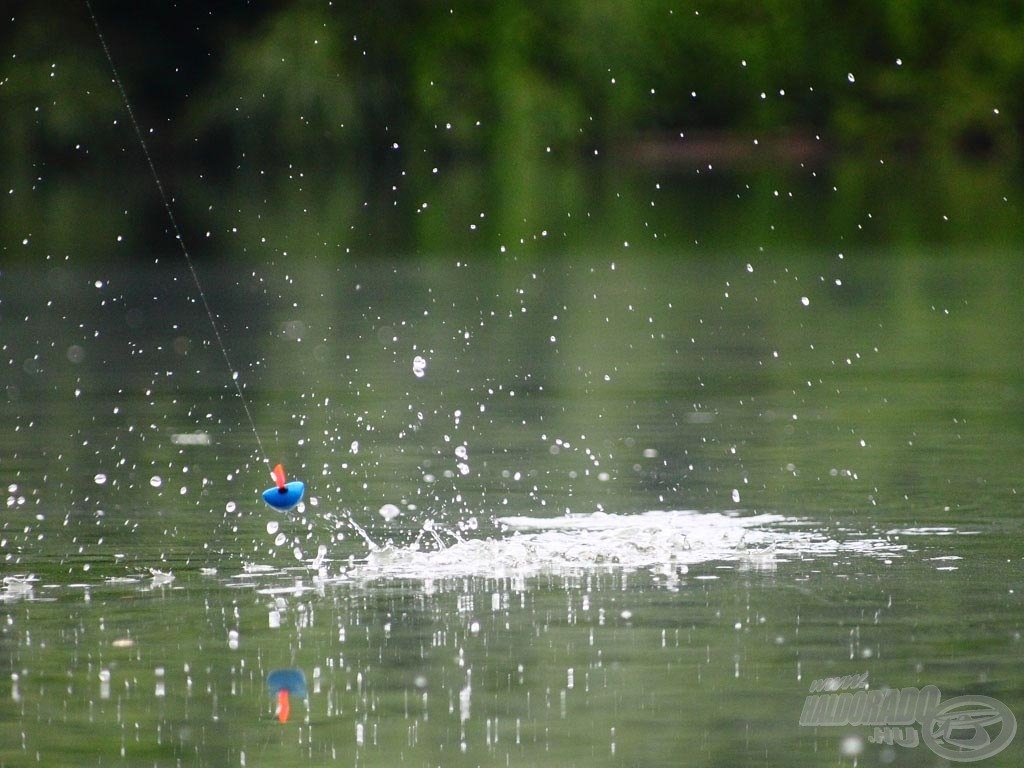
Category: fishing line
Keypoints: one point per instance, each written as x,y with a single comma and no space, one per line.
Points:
177,231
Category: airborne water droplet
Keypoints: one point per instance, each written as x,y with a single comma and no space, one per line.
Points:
419,366
389,512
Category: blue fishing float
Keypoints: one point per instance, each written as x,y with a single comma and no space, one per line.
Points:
284,496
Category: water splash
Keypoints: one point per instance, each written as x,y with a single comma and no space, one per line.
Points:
657,540
17,587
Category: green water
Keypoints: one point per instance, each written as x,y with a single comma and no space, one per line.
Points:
872,390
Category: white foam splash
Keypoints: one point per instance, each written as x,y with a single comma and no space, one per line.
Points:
17,587
658,540
938,530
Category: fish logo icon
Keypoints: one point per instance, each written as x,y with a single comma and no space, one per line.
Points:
969,728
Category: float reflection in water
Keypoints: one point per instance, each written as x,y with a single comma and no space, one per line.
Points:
282,684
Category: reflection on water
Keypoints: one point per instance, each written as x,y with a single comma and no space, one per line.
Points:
622,666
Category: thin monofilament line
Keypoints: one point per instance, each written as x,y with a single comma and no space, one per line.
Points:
177,232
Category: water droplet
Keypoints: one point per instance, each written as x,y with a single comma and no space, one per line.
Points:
851,746
389,512
419,366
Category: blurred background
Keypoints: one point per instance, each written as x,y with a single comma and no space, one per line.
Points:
401,127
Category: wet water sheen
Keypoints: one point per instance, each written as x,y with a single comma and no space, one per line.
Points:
565,511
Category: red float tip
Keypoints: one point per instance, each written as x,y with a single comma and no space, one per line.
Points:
283,707
278,474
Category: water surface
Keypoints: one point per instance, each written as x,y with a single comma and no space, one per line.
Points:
623,510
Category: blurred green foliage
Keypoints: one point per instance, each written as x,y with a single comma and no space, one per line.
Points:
345,81
416,127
